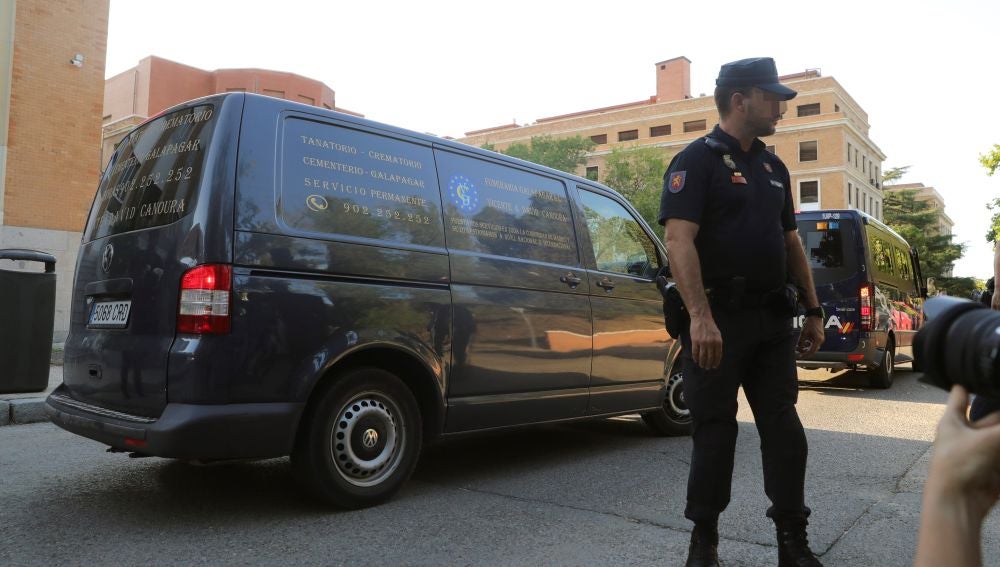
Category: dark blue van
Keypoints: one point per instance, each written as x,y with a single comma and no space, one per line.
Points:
869,282
260,278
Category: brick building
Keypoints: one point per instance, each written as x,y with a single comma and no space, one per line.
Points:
156,84
823,137
51,92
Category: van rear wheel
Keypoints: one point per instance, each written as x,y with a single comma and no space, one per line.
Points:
360,442
881,376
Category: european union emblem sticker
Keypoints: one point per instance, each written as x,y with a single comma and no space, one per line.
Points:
677,181
463,193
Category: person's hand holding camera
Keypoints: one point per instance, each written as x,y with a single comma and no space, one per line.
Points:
963,484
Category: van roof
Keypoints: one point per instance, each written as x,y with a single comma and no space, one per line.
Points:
430,138
863,216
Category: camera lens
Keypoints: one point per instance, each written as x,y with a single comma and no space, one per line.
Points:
959,344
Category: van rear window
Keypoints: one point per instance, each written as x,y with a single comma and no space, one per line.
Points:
153,176
830,249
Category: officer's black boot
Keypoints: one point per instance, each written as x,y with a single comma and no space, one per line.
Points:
793,545
703,551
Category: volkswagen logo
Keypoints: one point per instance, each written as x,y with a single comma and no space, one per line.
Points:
369,438
106,257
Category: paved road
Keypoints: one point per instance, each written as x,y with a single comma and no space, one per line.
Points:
601,493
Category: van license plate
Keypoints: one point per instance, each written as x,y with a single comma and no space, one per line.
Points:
110,314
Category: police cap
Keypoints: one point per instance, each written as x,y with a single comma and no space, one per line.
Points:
757,72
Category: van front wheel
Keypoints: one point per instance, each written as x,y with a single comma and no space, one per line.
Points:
360,442
881,376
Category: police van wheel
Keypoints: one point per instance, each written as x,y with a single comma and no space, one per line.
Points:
360,442
674,418
881,376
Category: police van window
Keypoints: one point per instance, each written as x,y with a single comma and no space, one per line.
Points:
830,248
339,181
153,177
620,245
902,261
493,208
882,255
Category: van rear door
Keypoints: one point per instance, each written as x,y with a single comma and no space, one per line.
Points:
833,250
147,226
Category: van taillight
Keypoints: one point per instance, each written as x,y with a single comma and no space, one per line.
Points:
204,304
867,313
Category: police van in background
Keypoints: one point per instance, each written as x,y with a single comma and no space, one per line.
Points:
260,278
869,283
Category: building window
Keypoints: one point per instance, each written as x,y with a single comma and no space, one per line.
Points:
307,100
628,135
592,172
599,139
849,188
855,158
808,151
771,149
659,131
836,108
848,152
857,198
694,125
808,195
808,109
273,93
864,164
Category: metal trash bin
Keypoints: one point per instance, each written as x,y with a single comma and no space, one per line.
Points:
27,314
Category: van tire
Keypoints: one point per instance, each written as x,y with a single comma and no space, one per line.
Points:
332,458
673,419
881,376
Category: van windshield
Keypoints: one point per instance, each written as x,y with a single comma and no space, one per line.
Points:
153,177
830,249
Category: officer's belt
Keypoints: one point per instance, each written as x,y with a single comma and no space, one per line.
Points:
722,295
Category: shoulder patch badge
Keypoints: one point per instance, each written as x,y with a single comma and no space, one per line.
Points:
677,181
767,167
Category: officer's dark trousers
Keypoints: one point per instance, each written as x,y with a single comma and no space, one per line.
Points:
758,354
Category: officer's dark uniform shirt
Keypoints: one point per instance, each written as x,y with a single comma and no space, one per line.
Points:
743,209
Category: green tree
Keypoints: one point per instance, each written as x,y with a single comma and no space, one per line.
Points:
915,221
564,154
892,175
637,173
991,161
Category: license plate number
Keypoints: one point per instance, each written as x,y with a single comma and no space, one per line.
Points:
110,314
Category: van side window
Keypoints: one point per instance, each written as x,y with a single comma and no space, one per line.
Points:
339,181
497,209
902,260
881,255
620,245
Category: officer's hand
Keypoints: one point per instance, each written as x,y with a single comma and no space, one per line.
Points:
996,299
706,342
811,338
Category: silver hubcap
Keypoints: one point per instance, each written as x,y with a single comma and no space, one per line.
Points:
674,403
367,439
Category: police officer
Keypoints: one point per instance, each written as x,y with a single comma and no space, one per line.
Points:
733,247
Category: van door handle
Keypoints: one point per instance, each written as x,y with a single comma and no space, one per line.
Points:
571,280
607,284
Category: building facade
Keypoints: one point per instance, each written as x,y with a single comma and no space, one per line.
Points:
156,84
823,137
51,93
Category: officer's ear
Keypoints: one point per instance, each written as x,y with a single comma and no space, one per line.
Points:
738,100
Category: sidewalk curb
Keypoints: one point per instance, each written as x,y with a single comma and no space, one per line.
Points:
20,411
